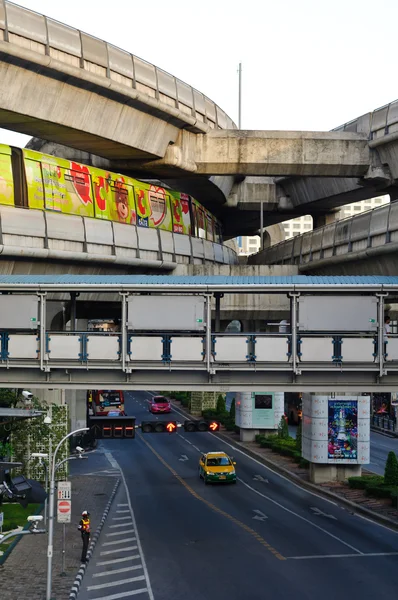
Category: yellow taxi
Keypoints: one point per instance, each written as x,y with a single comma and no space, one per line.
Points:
217,467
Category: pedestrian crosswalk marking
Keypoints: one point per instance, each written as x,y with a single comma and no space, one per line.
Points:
117,571
118,550
121,518
120,525
122,595
117,560
119,532
131,539
100,586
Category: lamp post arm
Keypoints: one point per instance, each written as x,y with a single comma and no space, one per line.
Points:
60,444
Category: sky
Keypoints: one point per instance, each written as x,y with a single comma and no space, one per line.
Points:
306,65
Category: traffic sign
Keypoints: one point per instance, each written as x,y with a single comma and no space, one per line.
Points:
64,490
64,511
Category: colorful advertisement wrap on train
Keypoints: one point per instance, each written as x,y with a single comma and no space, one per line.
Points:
342,429
6,180
64,186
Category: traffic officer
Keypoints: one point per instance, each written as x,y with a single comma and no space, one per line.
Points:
84,528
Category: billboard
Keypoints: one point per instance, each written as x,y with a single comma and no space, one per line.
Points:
342,430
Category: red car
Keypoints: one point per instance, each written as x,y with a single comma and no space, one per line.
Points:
159,404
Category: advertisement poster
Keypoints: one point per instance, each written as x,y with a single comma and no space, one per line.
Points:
342,429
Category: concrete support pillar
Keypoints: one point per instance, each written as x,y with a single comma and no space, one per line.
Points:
254,416
336,435
50,396
324,219
76,401
325,473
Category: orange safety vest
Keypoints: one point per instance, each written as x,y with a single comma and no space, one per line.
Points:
85,525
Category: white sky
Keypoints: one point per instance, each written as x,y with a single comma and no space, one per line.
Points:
307,65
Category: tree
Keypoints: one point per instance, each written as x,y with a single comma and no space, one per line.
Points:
283,429
391,470
232,410
299,437
220,404
8,397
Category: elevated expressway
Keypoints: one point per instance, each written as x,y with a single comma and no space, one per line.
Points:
361,245
62,85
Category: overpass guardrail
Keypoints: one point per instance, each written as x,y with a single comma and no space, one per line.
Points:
47,37
371,229
221,351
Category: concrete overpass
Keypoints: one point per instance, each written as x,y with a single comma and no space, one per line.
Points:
366,243
63,85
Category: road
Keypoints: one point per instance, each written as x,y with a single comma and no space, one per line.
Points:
264,537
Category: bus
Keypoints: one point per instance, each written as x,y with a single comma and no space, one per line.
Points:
101,402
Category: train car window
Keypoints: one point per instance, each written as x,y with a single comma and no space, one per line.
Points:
218,237
186,214
209,228
6,180
34,181
201,222
72,191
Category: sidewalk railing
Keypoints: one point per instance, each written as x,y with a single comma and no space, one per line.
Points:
386,423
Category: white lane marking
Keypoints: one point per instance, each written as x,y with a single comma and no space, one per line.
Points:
117,571
122,511
120,533
369,554
148,582
380,524
260,478
122,595
115,542
111,460
120,525
185,439
299,516
196,448
320,512
260,516
183,458
121,518
100,586
118,550
125,504
114,561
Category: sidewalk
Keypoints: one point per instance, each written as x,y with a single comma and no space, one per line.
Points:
23,575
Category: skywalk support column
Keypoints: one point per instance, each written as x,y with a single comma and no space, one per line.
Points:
336,435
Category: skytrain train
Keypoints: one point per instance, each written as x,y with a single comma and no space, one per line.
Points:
32,180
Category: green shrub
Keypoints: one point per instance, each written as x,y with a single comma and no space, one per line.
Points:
391,470
380,491
210,413
362,482
299,436
259,437
237,429
221,404
232,409
283,429
304,463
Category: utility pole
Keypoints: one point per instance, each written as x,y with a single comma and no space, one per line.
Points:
240,97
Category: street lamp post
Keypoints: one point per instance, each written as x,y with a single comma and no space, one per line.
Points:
53,468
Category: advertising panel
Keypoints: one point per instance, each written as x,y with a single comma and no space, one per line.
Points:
6,180
153,207
66,184
114,197
181,216
342,430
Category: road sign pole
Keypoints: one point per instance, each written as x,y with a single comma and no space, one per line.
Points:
63,574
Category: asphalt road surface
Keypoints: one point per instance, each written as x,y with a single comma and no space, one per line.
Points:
262,538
